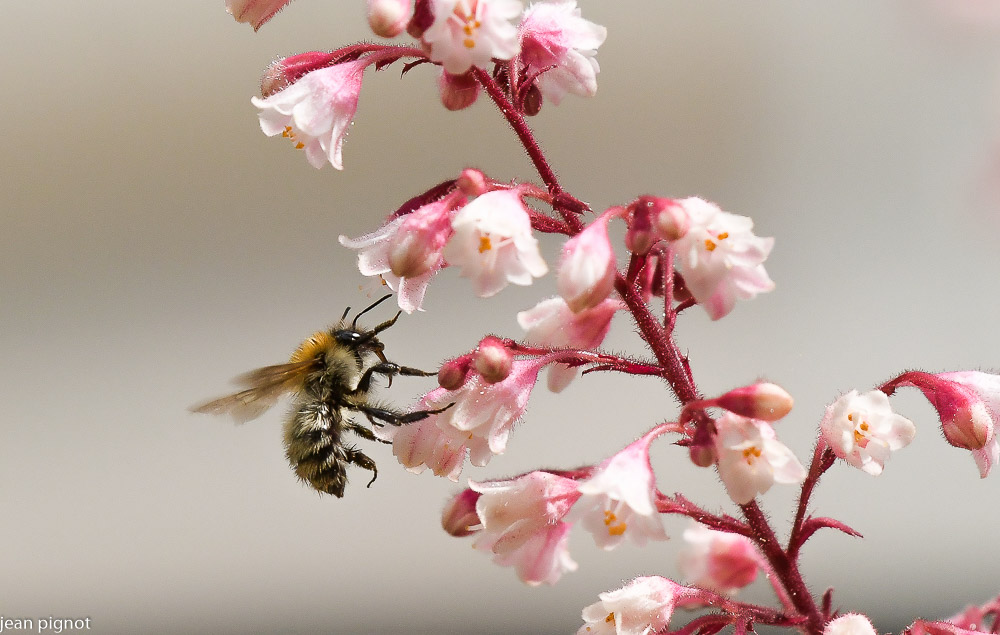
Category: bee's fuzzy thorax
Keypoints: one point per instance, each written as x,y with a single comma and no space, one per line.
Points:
317,343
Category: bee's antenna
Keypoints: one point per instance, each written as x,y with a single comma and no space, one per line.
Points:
354,324
344,316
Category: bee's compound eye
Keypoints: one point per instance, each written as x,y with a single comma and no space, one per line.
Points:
347,336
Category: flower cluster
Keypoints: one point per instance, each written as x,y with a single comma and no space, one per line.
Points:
676,253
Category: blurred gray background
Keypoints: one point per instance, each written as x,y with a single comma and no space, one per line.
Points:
155,244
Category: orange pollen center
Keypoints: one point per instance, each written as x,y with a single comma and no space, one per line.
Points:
610,619
751,453
469,26
485,244
288,134
614,528
711,244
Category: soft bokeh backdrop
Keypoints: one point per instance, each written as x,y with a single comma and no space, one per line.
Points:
155,243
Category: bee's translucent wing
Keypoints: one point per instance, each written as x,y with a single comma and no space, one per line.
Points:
264,386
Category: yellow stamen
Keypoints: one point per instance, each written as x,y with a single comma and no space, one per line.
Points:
613,528
610,619
751,453
485,244
299,145
723,235
709,245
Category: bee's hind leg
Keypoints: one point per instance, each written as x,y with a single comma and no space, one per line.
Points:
381,416
363,432
359,458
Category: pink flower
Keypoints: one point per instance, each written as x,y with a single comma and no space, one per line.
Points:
587,271
619,499
424,444
316,111
522,524
850,624
751,459
863,430
642,606
717,560
968,404
468,33
255,12
458,91
406,252
493,243
459,517
556,40
551,323
720,257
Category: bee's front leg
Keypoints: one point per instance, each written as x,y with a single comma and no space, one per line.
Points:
388,369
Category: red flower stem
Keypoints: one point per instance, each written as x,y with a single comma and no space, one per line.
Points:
785,568
659,341
823,458
527,137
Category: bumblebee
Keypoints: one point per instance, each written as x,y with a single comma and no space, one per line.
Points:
330,375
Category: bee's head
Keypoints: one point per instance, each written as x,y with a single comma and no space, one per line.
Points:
361,340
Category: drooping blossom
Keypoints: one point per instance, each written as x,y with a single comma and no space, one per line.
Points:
407,250
493,243
587,270
642,606
457,91
721,258
424,444
254,12
552,323
522,524
968,404
850,624
459,517
718,560
619,498
561,45
751,458
316,111
468,33
863,430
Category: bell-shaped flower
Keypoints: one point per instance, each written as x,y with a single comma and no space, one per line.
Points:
720,257
619,498
863,430
406,251
424,444
254,12
522,523
560,45
316,111
850,624
968,404
493,243
551,323
459,517
751,459
587,270
641,607
718,560
468,33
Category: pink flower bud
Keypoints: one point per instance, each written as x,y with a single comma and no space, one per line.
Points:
671,221
423,18
702,455
718,560
281,73
764,401
458,91
531,105
472,182
587,272
254,12
459,517
493,360
388,18
639,238
452,374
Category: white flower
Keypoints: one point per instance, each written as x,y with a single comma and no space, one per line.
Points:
316,111
468,33
587,271
751,459
493,243
863,430
619,499
642,606
850,624
556,40
721,258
